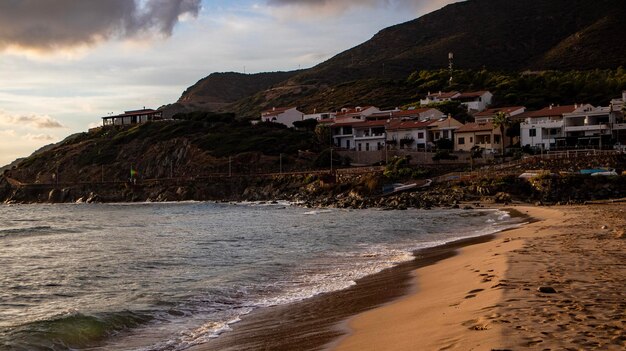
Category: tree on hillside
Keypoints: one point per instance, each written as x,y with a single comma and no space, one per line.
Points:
501,121
323,135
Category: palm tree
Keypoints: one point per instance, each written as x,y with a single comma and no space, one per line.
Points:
502,121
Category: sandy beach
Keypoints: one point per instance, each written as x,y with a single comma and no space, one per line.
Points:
554,284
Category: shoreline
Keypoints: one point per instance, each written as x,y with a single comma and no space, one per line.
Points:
555,283
317,322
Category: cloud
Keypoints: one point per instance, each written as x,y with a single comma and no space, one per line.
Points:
39,137
318,8
7,133
36,121
56,25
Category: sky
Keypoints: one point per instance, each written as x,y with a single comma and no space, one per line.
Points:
66,63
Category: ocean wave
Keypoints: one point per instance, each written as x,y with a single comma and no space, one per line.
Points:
72,331
33,231
316,212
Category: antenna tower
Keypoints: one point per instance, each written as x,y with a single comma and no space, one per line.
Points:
450,64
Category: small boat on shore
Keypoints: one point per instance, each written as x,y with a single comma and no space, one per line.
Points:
599,171
395,188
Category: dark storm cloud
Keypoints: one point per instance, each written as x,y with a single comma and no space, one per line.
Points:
57,24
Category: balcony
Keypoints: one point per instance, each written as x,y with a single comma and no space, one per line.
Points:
546,124
619,126
586,128
370,137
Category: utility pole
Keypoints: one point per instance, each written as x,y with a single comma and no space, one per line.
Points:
331,159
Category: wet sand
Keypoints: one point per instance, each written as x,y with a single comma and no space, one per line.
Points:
314,323
555,284
485,297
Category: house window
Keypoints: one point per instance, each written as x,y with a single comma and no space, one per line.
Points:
420,135
461,141
379,146
348,144
496,139
471,140
360,146
532,132
437,135
347,130
367,146
553,131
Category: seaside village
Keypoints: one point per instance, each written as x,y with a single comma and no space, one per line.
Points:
369,130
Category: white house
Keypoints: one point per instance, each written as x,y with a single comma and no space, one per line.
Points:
475,101
439,97
358,112
420,114
541,128
409,134
370,135
321,116
619,121
618,104
587,126
489,114
342,131
133,117
284,115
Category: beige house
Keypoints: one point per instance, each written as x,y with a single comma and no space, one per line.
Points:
483,134
444,128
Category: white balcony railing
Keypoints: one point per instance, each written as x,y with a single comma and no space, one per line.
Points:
370,137
586,128
546,124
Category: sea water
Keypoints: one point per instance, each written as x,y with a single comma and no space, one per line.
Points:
169,276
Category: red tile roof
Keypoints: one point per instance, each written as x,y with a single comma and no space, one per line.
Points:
475,127
414,112
401,125
472,94
492,111
444,95
347,121
548,112
376,123
353,110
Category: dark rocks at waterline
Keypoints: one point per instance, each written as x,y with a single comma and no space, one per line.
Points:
546,290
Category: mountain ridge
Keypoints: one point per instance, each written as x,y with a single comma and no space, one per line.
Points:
493,34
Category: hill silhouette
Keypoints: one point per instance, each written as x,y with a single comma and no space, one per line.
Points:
493,34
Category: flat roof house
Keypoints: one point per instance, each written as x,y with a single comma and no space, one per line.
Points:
133,117
282,115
